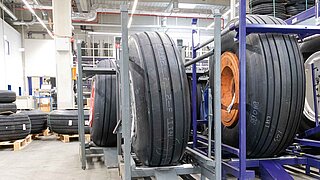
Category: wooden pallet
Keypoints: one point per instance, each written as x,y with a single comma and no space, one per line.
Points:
44,133
66,138
17,144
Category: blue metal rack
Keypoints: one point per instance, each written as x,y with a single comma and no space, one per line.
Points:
269,167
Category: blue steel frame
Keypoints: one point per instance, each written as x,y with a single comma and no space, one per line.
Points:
270,168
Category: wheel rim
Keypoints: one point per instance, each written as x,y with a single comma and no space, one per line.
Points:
229,88
308,110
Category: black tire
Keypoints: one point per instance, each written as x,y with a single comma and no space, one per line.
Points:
7,96
104,116
200,87
275,90
14,126
268,8
257,2
66,121
161,104
38,120
8,108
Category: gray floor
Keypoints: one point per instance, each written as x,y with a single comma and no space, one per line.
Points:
50,159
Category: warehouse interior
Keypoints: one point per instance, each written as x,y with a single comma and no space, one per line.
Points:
159,89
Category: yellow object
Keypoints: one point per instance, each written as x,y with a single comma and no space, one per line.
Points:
74,73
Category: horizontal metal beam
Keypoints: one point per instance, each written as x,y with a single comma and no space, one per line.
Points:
150,171
201,2
97,70
308,142
200,58
301,30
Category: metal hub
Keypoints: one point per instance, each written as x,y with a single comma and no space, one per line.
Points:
229,88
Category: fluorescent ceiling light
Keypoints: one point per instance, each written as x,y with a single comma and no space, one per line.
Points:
37,17
134,7
187,6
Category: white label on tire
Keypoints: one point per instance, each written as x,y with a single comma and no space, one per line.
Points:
86,123
70,123
24,127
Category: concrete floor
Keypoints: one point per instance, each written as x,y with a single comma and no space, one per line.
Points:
50,159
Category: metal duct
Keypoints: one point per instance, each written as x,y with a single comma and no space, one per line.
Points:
84,16
8,11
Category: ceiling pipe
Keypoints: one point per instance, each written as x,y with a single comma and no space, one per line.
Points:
44,14
8,11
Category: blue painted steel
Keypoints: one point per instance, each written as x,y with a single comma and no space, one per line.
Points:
243,123
273,170
30,85
312,131
194,93
194,21
253,163
9,87
41,81
315,100
20,91
225,147
229,169
301,30
308,142
301,16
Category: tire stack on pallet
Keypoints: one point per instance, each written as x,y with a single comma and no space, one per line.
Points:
65,123
12,126
269,7
294,7
38,121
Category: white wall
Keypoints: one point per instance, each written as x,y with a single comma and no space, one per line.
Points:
40,57
11,67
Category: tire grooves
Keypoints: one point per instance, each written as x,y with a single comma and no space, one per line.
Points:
173,103
266,65
160,98
183,96
258,153
295,119
149,99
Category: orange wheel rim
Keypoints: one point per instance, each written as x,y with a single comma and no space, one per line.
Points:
229,89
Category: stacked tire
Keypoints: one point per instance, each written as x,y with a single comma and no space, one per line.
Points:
38,120
275,90
269,7
6,102
160,99
66,121
103,110
12,126
294,7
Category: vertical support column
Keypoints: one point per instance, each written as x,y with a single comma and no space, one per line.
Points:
194,93
315,100
232,9
80,109
62,29
243,122
125,98
217,92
